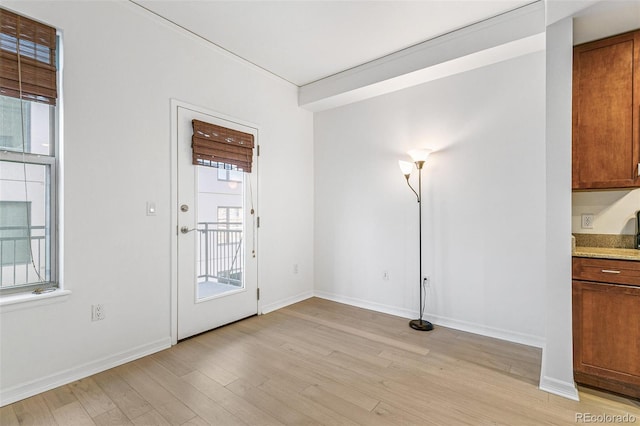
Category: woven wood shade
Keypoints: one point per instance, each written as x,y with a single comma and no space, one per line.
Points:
27,55
218,146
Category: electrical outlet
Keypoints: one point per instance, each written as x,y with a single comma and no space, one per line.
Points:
587,221
97,312
385,275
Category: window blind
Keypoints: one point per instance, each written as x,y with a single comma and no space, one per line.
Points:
221,147
27,58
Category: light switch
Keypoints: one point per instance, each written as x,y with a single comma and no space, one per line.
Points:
151,208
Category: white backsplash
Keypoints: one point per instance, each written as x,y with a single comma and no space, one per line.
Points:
615,211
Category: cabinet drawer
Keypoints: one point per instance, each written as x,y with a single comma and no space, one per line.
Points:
606,270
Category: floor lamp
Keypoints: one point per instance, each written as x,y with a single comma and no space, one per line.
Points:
419,157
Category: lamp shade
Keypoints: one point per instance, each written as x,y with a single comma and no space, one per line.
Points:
406,167
419,154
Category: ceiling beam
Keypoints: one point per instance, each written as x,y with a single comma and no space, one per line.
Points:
503,37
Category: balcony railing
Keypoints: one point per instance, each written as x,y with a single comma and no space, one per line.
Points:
18,261
221,255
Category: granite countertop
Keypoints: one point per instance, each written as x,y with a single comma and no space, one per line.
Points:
607,253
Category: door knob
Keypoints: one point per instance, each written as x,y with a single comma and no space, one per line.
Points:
186,230
184,208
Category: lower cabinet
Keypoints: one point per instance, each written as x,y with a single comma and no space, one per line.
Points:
606,325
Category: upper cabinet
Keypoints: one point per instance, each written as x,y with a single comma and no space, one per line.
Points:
606,113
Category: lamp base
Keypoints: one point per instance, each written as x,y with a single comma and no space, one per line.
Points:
421,325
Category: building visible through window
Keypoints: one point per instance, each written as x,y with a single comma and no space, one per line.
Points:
230,216
229,175
14,232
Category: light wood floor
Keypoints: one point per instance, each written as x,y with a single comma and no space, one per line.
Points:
320,362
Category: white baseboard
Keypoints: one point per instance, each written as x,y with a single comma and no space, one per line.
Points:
285,302
560,388
497,333
34,387
365,304
510,336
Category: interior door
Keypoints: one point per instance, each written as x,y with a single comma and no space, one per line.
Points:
216,258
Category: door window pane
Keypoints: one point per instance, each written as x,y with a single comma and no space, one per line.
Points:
220,256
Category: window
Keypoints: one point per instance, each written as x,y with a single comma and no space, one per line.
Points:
227,175
28,154
230,217
14,232
27,197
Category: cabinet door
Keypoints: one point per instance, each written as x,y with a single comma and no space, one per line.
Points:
606,98
606,321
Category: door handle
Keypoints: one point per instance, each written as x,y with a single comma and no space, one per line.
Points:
186,230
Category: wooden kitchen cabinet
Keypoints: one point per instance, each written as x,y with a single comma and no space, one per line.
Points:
606,113
606,324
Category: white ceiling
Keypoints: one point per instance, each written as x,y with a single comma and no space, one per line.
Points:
305,41
605,19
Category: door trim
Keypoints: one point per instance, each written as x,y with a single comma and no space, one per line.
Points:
174,105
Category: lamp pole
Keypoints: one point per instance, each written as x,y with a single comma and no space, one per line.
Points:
419,157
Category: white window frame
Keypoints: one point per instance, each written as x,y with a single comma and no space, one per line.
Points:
51,201
12,296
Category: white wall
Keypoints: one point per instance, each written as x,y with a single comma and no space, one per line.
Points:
484,198
615,211
556,375
121,67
